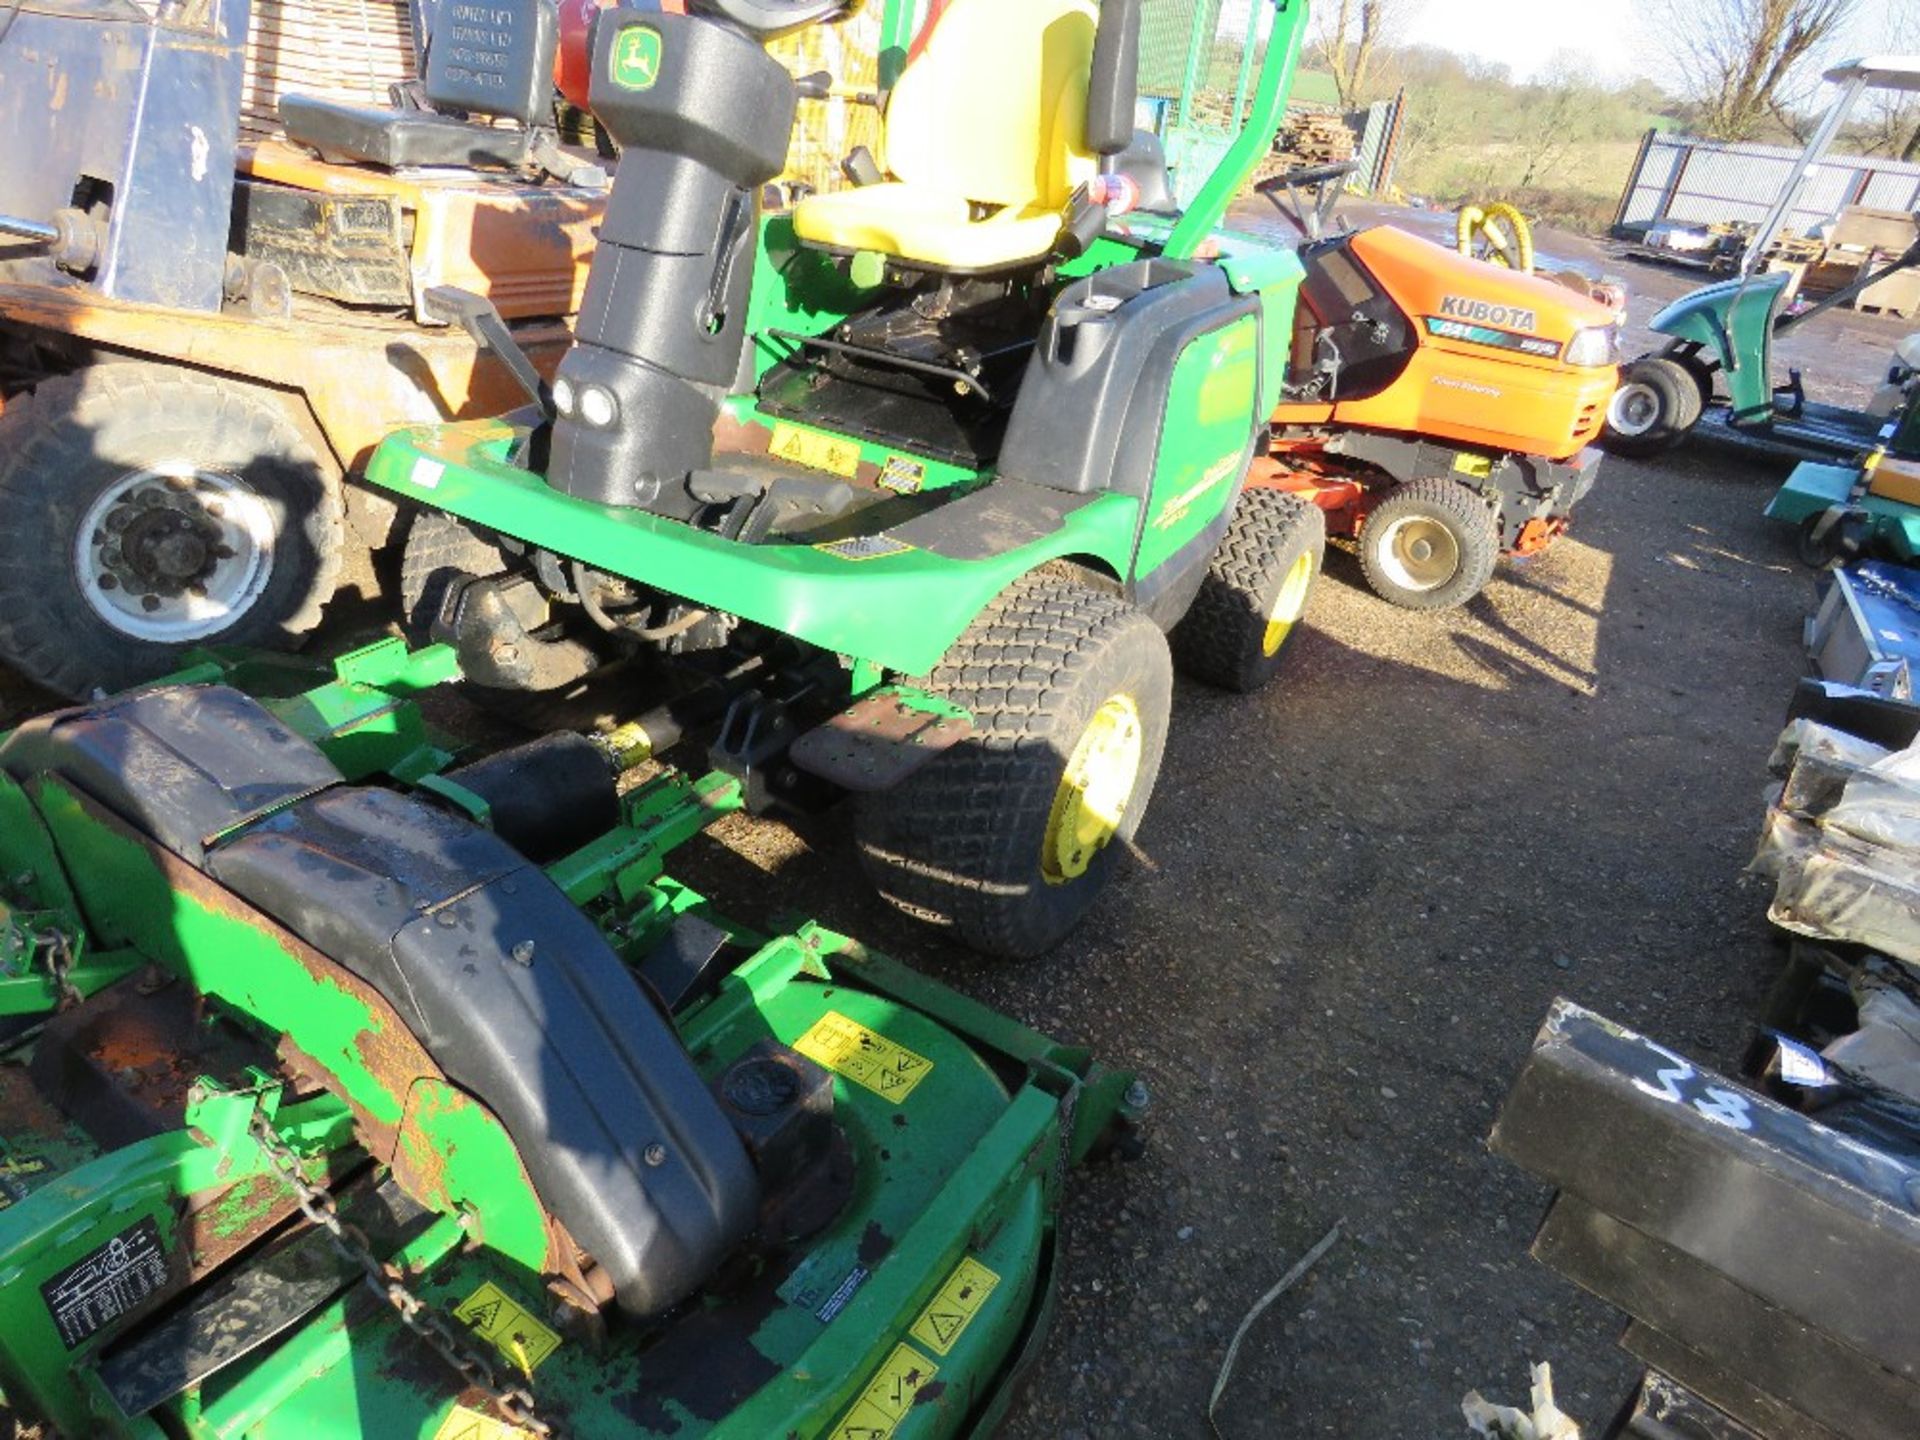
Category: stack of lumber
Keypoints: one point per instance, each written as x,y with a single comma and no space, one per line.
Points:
348,50
1315,138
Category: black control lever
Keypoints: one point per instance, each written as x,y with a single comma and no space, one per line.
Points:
476,315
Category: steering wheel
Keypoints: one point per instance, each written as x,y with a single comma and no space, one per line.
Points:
770,19
1322,180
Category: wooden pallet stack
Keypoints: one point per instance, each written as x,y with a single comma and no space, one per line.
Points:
1312,137
348,50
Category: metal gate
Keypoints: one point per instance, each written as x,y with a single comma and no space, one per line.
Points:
1708,182
1196,72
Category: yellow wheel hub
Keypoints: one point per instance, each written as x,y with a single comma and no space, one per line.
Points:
1288,604
1092,800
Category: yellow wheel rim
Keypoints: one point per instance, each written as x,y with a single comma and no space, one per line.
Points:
1288,605
1092,800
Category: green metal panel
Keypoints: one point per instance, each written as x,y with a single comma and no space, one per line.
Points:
1213,405
853,608
1734,321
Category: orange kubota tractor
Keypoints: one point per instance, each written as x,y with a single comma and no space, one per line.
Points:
1438,408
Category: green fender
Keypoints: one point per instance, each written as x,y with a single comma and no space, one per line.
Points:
1733,321
900,609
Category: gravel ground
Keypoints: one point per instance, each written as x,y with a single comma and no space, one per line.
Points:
1354,899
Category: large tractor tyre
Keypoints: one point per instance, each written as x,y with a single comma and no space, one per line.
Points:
146,510
1658,403
1256,589
1430,545
1009,836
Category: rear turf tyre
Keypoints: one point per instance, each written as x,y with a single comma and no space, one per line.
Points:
1658,403
146,510
1248,608
1008,837
1430,545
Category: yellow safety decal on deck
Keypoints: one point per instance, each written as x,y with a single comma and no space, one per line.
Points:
888,1396
1476,465
464,1424
950,1312
815,451
848,1048
511,1328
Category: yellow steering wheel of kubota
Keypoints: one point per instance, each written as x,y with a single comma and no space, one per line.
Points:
1496,233
1096,790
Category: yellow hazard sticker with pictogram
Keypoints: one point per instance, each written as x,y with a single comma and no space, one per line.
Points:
508,1326
865,1057
950,1311
814,450
892,1392
464,1424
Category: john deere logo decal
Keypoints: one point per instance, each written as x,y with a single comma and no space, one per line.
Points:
636,58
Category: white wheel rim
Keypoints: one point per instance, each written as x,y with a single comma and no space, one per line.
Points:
1418,553
174,553
1634,408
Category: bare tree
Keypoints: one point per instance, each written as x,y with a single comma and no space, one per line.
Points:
1349,34
1739,58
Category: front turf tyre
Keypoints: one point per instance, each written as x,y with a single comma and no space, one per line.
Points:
1248,607
1658,403
1009,836
147,509
1430,545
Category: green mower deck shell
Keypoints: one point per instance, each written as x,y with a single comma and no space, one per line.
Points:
1814,488
1733,321
914,1304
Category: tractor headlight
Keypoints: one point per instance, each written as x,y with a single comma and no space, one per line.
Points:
596,406
563,396
1595,346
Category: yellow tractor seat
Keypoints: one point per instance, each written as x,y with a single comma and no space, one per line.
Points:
989,120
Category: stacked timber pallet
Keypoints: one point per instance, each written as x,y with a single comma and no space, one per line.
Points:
348,50
1315,138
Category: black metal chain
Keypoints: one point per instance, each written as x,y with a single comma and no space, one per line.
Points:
451,1340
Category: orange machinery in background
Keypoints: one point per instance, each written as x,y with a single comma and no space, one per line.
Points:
1439,408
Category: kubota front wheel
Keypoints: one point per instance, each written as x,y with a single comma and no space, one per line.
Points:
146,509
1009,836
1430,545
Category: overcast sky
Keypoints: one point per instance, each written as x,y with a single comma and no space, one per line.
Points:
1607,35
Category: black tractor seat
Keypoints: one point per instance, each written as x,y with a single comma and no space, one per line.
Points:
483,62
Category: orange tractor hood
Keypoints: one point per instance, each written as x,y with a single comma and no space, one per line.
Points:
1429,279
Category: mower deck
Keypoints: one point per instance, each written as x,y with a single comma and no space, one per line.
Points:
908,1143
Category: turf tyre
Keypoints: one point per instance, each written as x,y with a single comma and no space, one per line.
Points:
1224,636
959,843
1468,522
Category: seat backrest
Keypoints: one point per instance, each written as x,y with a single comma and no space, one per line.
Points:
994,108
493,59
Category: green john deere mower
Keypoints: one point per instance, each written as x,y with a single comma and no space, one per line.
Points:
908,486
346,1091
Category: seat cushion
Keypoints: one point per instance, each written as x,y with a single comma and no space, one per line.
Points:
381,135
922,225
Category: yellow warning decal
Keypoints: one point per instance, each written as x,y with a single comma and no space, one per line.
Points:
1476,465
497,1317
813,450
952,1310
849,1048
464,1424
888,1396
